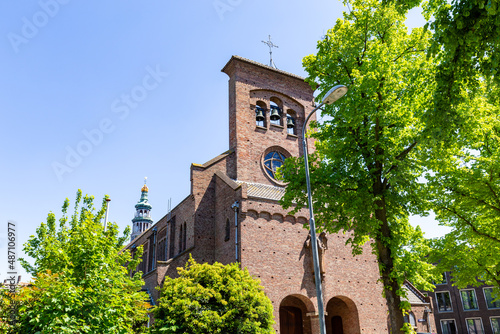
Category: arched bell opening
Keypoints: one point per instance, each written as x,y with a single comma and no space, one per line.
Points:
293,315
290,122
342,316
276,111
260,114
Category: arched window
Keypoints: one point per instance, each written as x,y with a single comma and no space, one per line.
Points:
184,238
260,114
275,111
228,230
412,319
181,237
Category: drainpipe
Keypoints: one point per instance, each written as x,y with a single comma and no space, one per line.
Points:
235,207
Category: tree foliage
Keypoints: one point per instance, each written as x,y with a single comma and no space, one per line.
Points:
8,311
369,154
466,44
466,196
213,299
465,184
82,283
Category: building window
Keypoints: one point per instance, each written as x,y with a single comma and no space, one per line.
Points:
228,230
172,237
444,301
410,318
490,299
474,326
495,325
184,238
152,251
162,245
181,236
443,281
448,326
275,113
143,266
469,300
272,161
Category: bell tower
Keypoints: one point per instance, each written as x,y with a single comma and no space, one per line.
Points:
267,109
142,220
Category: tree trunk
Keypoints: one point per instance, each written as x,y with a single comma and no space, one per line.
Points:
386,265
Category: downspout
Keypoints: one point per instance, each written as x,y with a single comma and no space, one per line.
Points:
235,207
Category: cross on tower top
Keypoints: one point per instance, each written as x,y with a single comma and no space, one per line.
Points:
271,46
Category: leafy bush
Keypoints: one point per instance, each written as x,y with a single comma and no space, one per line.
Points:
213,299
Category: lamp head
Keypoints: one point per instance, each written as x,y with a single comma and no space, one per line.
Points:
334,94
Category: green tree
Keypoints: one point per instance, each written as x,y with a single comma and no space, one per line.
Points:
466,44
213,299
466,196
82,282
8,311
369,154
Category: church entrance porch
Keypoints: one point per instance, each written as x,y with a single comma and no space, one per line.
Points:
342,316
293,317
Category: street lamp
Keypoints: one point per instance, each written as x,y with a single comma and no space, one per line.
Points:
331,96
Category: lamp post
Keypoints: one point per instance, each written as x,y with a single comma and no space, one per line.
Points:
331,96
106,218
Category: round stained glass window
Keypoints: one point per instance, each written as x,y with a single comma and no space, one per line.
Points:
272,161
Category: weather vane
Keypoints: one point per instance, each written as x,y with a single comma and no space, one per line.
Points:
271,46
145,180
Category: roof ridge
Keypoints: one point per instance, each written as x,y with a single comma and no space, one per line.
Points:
263,65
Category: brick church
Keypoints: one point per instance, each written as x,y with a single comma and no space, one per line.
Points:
232,213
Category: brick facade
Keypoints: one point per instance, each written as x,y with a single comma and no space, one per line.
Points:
470,310
265,238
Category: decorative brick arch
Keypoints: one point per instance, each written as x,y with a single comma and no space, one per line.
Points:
342,313
291,308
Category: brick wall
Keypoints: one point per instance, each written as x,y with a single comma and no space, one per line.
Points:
271,241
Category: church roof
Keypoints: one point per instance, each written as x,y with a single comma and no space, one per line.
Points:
261,65
264,191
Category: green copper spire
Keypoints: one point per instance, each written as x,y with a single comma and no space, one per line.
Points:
142,220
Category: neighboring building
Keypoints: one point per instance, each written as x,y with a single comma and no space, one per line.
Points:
421,316
232,214
468,311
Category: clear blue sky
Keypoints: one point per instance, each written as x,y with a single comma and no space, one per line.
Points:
68,66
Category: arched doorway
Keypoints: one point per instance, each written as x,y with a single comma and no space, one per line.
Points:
337,326
291,320
342,316
293,315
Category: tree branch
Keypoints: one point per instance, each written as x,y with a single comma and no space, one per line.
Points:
401,156
346,70
469,223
